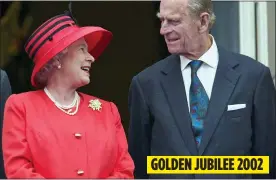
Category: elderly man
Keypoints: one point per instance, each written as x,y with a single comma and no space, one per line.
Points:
202,99
5,92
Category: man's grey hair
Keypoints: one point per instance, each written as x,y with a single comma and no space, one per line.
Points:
41,78
196,7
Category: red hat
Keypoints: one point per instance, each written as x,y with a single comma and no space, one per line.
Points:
59,32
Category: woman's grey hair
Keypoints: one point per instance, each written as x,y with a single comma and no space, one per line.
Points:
41,78
196,7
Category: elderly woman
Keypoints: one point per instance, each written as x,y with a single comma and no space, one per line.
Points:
56,131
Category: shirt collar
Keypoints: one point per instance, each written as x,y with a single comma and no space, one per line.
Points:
210,57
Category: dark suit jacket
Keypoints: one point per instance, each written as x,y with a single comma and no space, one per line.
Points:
5,92
160,122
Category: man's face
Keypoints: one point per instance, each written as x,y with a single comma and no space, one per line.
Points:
177,26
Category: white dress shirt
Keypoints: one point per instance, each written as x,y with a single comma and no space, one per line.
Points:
206,73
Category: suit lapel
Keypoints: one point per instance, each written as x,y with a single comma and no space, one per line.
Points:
172,83
224,84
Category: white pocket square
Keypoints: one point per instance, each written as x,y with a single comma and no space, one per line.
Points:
235,107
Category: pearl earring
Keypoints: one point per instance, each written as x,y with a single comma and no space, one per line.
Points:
59,66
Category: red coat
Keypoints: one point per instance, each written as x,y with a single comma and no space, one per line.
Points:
41,141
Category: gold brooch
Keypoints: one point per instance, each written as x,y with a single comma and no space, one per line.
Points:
95,104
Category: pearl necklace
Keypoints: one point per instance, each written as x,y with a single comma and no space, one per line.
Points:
65,108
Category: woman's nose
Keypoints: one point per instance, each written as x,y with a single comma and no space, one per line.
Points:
89,57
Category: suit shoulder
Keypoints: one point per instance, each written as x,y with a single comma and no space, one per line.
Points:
3,74
154,69
247,63
2,71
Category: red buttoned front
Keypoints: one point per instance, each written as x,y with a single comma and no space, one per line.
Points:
80,172
40,141
77,135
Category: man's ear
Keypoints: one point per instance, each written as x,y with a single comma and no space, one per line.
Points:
204,22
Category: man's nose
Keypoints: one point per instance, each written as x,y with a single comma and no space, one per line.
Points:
165,28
